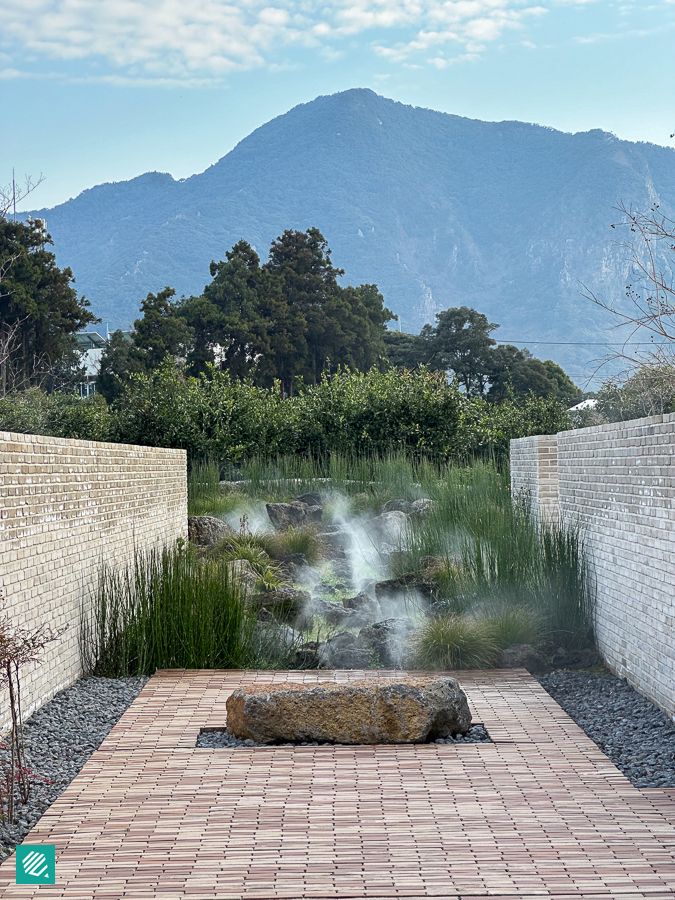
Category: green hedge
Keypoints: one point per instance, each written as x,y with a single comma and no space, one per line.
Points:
217,417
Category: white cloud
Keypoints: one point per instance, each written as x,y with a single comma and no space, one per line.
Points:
192,41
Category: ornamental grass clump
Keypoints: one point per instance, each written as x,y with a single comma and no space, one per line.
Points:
455,642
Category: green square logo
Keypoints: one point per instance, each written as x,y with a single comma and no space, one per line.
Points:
36,864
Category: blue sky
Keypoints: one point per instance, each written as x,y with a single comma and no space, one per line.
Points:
103,90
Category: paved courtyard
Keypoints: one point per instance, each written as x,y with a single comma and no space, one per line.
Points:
539,813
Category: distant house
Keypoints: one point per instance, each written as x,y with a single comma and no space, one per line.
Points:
92,344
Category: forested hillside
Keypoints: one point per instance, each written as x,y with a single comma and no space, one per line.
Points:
435,209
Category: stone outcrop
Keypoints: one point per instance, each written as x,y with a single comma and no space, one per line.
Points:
422,507
404,506
388,639
386,527
364,605
395,588
293,515
362,712
286,602
206,531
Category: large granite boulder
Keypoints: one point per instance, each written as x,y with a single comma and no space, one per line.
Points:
362,712
293,515
206,531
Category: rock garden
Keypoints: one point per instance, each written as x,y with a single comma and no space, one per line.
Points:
439,571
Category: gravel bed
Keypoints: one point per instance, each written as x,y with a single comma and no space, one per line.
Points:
637,737
223,739
59,739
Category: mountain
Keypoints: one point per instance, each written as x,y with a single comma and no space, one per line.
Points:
437,209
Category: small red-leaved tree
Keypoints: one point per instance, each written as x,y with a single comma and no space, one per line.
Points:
18,647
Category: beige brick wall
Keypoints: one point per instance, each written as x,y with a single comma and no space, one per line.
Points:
534,473
618,482
67,506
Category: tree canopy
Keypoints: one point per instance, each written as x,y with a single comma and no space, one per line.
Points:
461,345
40,311
287,320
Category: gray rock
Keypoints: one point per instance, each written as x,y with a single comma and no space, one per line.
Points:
387,527
336,614
365,605
311,499
335,542
388,639
394,588
422,507
206,531
293,515
522,656
285,602
346,640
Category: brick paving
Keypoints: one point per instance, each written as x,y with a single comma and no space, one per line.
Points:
540,813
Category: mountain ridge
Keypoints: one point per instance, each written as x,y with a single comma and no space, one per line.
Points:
439,210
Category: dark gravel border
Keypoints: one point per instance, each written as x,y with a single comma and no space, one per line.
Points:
636,735
226,741
60,737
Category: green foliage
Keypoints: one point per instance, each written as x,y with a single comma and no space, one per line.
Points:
287,320
210,416
498,561
167,610
377,413
649,391
283,544
455,642
40,311
348,415
59,414
515,624
460,344
204,494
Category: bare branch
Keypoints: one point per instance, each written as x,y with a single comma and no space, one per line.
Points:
13,194
651,292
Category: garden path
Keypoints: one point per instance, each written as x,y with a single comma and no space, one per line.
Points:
540,814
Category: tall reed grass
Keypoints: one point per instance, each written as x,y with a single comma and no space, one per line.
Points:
204,494
168,609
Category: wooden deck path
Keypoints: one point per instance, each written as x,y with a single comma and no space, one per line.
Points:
539,813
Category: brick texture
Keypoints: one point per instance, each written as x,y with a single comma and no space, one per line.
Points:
618,482
67,506
534,473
